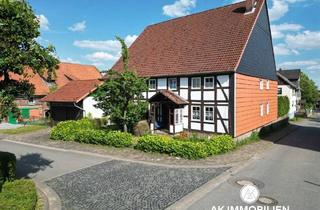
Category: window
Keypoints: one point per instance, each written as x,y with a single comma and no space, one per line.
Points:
196,113
172,83
208,114
268,108
279,91
178,116
196,83
268,85
208,82
261,110
261,84
152,84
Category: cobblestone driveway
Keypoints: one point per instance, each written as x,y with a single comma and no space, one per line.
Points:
126,185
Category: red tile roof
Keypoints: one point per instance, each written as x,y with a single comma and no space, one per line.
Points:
206,42
169,95
66,73
72,71
74,91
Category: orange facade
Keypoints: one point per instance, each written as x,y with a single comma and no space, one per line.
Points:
252,103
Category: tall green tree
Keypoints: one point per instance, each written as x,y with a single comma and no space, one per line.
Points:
19,28
309,91
120,97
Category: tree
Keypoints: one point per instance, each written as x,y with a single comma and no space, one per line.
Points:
309,91
120,97
19,28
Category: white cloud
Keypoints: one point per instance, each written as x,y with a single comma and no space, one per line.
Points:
43,21
278,31
282,49
179,8
69,60
315,67
280,8
81,26
306,40
102,56
107,45
299,64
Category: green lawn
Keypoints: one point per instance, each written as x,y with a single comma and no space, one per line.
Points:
23,130
18,195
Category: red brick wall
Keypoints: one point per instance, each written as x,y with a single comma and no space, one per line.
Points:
248,100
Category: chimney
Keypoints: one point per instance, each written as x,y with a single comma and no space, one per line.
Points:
250,5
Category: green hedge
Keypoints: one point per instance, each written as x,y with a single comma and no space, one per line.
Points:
18,195
7,167
68,130
185,149
83,131
283,106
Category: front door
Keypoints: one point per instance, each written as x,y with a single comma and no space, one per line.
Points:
162,116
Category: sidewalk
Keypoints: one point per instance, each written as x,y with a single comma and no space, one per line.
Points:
233,158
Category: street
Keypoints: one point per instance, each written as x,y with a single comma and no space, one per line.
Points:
289,173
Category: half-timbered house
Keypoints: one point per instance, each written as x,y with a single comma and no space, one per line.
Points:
213,71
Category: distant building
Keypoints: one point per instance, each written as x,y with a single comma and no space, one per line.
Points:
291,90
32,108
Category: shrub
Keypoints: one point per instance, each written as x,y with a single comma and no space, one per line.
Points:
283,106
68,130
91,136
167,145
7,167
221,144
99,123
20,194
118,139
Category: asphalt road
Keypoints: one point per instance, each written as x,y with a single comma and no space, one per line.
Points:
289,173
44,164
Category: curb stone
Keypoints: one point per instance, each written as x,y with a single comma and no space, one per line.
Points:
52,200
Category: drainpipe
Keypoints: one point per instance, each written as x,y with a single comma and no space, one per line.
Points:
84,112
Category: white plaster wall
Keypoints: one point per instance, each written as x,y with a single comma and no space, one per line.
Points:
208,127
195,126
88,106
195,95
288,91
208,95
184,93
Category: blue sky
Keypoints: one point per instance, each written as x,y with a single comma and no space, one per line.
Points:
83,31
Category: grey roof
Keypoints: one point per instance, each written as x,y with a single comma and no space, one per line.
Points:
291,74
282,80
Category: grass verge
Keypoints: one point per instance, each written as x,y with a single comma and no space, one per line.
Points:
254,137
23,130
19,194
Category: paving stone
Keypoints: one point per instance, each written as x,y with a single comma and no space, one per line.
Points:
126,185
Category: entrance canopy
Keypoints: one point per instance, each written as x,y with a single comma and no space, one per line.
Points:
168,96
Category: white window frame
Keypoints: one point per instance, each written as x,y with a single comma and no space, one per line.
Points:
268,84
261,110
178,116
194,106
261,84
268,108
205,113
169,83
155,84
210,87
195,88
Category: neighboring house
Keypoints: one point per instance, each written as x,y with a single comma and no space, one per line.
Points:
73,101
294,75
213,71
32,108
289,89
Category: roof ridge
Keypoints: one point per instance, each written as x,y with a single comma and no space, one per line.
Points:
194,14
